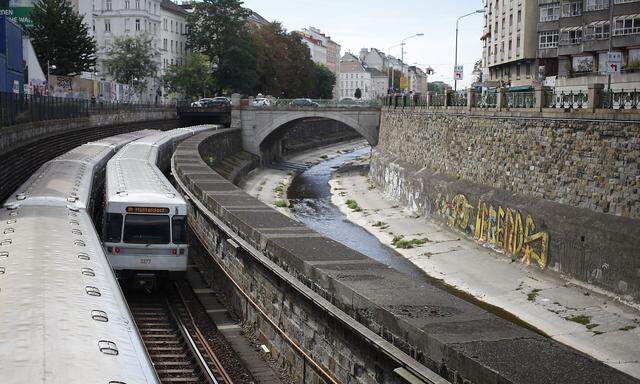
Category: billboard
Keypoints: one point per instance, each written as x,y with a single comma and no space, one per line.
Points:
17,10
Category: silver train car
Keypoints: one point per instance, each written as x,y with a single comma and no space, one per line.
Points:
63,317
144,229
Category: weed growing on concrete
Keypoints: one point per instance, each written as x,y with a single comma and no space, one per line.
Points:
279,189
596,333
281,204
580,319
379,224
353,205
408,244
324,157
531,296
627,328
592,325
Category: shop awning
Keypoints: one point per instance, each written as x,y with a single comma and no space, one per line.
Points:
520,88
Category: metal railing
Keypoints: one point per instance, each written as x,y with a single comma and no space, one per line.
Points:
569,100
324,103
458,99
20,108
521,99
620,99
486,99
437,100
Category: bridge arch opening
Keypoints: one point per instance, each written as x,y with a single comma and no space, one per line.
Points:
304,133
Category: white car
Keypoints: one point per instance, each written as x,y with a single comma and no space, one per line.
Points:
261,102
200,103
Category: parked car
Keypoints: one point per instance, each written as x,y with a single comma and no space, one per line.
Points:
200,103
304,103
261,102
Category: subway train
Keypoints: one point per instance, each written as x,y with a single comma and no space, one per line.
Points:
64,317
144,224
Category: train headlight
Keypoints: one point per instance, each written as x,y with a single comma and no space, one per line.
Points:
117,249
174,251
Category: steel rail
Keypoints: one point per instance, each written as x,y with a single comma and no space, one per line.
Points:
218,365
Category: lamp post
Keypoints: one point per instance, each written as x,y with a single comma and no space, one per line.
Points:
49,67
402,44
455,82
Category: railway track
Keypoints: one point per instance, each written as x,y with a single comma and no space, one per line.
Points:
177,347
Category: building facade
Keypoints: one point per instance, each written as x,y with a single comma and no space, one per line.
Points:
323,51
353,76
573,38
173,50
510,41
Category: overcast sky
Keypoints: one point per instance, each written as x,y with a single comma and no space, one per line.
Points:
355,24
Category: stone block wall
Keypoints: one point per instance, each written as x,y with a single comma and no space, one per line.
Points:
557,193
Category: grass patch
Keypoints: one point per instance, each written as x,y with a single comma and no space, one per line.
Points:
353,205
627,328
531,296
580,319
402,243
379,224
279,189
324,157
596,333
592,325
281,204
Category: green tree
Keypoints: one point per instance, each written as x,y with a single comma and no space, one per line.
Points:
237,68
60,38
358,93
477,71
325,80
131,59
193,79
299,67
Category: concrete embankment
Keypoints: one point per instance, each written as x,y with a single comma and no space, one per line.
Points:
354,317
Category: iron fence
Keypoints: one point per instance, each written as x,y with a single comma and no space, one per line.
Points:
486,99
620,99
458,99
521,99
569,100
20,108
437,100
322,103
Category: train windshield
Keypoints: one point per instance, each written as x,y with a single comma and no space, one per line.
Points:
179,229
114,227
147,229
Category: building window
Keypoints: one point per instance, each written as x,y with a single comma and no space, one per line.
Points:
127,4
627,25
549,12
527,69
571,36
518,70
164,44
548,40
519,17
510,20
137,24
126,25
172,26
596,5
597,31
518,42
171,45
572,9
108,5
137,4
107,25
164,24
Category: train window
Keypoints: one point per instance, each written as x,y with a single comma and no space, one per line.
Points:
114,227
146,229
179,229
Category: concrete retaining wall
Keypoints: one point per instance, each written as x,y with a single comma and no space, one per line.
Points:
560,194
357,318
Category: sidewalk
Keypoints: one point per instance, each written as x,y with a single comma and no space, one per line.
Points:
568,311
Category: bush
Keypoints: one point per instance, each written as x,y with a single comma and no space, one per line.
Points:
281,204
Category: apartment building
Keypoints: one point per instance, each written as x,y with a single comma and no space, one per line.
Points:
510,41
174,34
573,41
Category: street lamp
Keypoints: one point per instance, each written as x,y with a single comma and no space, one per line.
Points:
455,82
403,43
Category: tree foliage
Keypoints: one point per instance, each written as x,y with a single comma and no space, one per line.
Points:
477,71
131,59
325,80
358,94
60,38
193,79
253,59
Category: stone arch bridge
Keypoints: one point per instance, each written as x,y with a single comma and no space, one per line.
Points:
258,124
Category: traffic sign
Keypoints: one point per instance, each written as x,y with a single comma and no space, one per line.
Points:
458,72
614,62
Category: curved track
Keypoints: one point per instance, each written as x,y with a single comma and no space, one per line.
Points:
178,348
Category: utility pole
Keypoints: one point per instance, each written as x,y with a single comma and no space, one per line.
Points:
455,82
610,44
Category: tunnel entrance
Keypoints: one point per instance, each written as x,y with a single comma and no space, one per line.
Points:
302,134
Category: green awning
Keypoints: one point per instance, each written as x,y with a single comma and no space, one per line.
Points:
521,88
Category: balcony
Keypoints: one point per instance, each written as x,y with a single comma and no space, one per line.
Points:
546,53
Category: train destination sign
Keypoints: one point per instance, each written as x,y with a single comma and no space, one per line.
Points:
148,210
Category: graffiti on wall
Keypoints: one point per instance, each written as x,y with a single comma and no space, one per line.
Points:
504,229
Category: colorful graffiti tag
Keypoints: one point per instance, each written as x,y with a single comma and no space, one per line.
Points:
503,228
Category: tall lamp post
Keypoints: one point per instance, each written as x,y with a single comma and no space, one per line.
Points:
403,43
455,82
